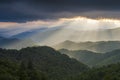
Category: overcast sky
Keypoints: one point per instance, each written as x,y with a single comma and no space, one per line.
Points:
30,10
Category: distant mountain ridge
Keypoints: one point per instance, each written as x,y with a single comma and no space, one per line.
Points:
55,35
14,43
99,47
92,58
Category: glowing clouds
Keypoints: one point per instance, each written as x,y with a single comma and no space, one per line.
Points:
82,23
76,23
7,24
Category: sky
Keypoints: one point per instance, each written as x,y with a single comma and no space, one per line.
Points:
30,10
17,16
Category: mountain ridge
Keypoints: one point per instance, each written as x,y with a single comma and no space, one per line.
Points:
93,59
15,43
99,47
47,60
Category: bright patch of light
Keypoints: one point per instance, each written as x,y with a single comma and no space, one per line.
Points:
83,23
76,23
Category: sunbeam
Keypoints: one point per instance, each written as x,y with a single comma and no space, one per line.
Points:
78,29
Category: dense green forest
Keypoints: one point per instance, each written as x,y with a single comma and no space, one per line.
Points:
45,63
46,60
110,72
12,71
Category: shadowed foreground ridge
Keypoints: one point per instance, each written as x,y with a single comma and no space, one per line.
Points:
46,60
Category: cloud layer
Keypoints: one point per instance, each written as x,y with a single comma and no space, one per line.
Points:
29,10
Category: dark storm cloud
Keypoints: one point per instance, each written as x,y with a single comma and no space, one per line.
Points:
27,10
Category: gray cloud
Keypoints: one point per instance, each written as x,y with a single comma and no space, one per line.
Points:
28,10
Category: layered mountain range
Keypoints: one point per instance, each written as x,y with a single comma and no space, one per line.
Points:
99,47
94,59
